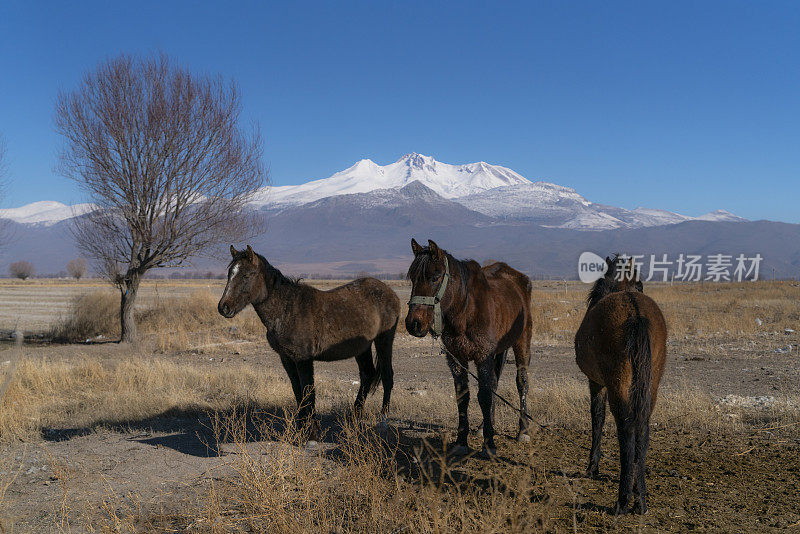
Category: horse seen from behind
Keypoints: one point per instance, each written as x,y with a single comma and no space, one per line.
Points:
621,347
305,325
480,312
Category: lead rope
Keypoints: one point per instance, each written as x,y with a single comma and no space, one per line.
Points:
446,352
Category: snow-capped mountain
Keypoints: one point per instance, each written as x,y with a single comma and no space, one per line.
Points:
490,190
45,212
449,181
556,206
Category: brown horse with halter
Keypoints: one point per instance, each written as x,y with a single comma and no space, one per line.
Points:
305,324
621,347
480,312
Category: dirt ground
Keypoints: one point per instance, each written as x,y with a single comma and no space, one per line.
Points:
742,477
746,481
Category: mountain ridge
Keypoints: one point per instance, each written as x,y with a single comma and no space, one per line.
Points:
495,191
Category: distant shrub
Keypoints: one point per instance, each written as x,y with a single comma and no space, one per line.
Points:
77,268
21,269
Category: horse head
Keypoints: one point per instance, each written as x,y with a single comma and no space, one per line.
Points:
621,275
429,274
245,282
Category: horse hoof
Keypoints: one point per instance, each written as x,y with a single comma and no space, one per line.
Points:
523,438
488,452
460,450
592,473
640,508
382,427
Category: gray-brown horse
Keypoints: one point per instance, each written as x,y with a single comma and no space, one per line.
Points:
305,324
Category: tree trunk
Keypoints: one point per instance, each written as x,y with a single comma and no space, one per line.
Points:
128,323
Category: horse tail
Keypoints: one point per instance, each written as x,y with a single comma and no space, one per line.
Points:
637,347
383,359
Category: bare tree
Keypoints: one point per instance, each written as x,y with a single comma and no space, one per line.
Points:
160,153
21,269
77,268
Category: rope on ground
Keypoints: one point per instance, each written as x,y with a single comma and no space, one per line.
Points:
525,414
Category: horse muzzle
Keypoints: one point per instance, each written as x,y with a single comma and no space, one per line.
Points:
225,310
416,325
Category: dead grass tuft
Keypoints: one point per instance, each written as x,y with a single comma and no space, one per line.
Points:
169,323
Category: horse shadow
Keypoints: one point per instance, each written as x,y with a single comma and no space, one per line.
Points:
196,431
418,450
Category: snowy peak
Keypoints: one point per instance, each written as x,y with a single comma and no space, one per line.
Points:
721,215
44,212
449,181
418,161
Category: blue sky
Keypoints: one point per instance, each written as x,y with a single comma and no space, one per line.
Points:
686,106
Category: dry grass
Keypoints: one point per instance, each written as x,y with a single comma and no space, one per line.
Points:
706,312
169,323
700,311
371,482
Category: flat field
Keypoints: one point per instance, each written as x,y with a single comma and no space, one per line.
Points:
191,431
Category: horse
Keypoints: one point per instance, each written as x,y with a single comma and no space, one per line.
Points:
480,312
305,324
621,347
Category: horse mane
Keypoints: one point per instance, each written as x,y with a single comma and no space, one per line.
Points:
601,288
275,275
271,274
423,259
605,285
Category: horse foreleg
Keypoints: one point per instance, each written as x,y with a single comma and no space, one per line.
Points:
291,369
307,412
487,384
461,382
598,400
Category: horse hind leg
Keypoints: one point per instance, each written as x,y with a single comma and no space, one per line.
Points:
522,356
499,362
366,374
383,352
598,408
626,435
642,443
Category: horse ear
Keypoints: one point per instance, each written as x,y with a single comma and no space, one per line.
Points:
415,247
434,248
250,254
610,270
233,252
